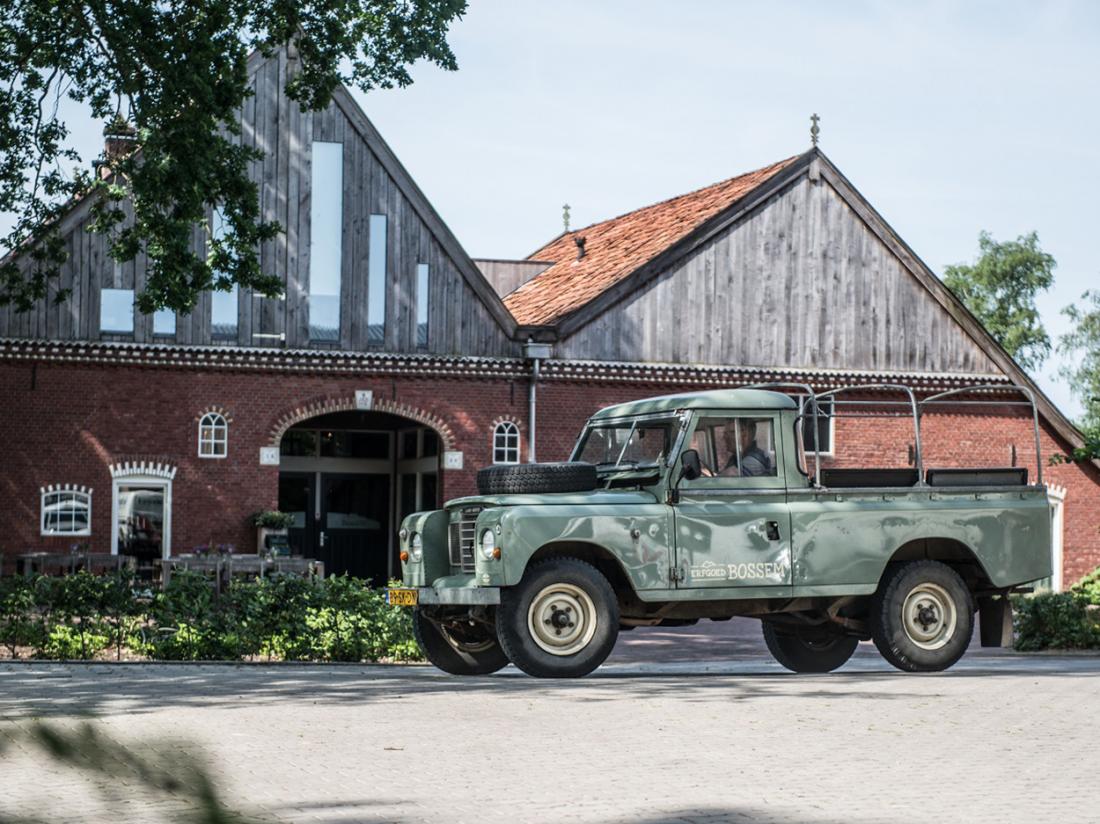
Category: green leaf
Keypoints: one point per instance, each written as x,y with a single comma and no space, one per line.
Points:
169,81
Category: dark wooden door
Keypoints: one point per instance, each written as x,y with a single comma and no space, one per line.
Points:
297,497
354,531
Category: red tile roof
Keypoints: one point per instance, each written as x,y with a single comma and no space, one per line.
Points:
615,248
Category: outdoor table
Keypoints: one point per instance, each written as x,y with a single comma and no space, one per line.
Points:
29,563
261,566
224,567
193,563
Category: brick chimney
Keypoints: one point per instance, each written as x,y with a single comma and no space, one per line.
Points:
119,140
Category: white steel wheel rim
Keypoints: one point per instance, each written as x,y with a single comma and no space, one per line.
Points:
929,616
562,619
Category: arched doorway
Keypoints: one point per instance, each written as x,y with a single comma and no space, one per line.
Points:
349,478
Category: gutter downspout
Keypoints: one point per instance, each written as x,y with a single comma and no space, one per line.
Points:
534,352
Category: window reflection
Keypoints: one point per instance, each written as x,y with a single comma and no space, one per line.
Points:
422,304
299,443
343,444
376,281
735,447
116,311
164,323
326,238
140,521
223,314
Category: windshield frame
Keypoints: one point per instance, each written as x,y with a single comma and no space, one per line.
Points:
678,418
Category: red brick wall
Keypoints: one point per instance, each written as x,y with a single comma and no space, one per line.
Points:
78,419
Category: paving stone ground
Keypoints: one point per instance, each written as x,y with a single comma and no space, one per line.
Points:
691,725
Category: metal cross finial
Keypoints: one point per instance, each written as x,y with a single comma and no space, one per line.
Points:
814,129
565,216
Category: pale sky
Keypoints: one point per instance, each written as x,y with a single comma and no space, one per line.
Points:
949,117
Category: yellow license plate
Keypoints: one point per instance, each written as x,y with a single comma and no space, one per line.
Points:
402,597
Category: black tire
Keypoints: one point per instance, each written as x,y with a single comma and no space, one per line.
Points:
806,650
526,479
927,641
559,589
457,647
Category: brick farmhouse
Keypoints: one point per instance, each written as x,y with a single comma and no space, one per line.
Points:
395,365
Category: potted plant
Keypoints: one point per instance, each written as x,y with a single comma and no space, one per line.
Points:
270,522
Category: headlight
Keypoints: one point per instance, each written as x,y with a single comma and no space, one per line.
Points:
416,547
488,544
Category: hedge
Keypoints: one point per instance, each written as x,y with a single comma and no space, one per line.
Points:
1060,620
283,618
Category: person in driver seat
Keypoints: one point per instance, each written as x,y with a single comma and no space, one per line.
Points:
754,460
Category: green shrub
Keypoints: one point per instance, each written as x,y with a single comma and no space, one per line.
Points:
1054,621
20,623
273,519
279,618
354,623
67,642
182,620
1089,587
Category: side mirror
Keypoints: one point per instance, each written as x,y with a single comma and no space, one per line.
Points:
691,466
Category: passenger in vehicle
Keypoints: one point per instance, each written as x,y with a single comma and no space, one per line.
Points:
754,460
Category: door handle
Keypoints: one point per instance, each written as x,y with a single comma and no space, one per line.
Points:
322,538
772,530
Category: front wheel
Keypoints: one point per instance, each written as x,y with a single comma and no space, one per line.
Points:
561,621
922,616
806,650
457,645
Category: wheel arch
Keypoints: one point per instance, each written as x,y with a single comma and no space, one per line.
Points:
949,551
598,556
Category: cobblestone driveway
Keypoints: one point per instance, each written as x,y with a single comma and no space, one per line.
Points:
651,737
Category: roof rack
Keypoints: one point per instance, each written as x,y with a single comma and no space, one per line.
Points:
916,410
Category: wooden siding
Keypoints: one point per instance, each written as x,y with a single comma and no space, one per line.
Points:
459,321
800,282
508,275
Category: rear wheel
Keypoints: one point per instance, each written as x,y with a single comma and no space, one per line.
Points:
561,621
922,616
808,649
457,645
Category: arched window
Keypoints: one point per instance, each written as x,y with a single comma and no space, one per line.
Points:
213,435
506,443
66,510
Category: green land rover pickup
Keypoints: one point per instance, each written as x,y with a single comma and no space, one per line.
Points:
703,506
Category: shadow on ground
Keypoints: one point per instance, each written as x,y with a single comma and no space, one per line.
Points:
691,663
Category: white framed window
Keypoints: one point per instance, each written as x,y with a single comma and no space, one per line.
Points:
506,443
66,510
823,440
213,435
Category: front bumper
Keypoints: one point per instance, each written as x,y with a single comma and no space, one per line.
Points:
459,596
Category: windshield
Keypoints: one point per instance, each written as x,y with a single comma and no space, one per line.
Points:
626,444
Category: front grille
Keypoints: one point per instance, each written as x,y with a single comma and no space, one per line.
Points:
461,538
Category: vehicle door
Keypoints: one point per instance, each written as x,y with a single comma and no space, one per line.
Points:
625,451
732,525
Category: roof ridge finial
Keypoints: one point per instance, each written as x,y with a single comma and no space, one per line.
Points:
815,130
565,216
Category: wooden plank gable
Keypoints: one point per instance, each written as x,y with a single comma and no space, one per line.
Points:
465,315
801,281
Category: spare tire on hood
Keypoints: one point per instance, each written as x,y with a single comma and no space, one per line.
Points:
528,479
